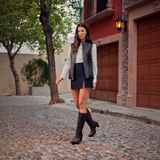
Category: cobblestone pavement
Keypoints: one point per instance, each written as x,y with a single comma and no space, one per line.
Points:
33,131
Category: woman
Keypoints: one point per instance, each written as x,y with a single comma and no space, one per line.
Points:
82,68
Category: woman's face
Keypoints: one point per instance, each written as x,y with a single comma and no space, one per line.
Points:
82,33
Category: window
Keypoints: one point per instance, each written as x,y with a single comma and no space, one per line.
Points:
101,5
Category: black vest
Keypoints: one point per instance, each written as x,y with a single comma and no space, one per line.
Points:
87,60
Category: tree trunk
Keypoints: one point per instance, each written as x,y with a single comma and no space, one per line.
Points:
16,76
44,18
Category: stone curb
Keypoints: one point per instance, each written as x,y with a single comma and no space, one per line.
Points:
127,116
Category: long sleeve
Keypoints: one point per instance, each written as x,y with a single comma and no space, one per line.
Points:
67,65
94,62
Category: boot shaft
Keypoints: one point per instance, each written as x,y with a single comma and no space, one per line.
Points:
80,123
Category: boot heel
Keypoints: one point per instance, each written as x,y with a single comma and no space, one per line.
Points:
97,125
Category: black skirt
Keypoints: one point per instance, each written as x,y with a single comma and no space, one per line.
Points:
79,77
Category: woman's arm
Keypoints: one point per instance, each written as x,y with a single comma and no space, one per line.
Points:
94,62
94,65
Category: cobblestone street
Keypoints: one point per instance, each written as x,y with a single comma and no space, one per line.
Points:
33,131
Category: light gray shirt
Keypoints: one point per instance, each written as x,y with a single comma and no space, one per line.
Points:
79,59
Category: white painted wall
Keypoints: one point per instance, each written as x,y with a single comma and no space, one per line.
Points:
23,50
7,84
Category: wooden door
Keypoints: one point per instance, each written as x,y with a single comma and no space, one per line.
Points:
148,62
107,79
87,8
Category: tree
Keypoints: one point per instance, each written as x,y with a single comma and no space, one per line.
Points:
53,14
17,27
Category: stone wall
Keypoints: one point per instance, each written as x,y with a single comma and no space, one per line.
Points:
125,3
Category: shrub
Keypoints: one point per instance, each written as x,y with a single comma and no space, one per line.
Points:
36,72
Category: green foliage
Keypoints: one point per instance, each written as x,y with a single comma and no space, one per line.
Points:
36,72
18,23
148,122
62,18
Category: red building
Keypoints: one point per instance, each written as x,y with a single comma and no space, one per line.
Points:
100,16
128,61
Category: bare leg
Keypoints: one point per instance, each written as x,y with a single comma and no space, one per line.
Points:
80,97
75,94
83,97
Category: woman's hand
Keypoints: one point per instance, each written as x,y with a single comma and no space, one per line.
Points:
59,80
94,86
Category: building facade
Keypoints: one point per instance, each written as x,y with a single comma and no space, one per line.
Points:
128,62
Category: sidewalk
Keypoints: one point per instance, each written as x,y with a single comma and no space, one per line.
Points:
143,114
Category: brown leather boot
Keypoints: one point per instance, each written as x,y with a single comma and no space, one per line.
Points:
92,124
80,124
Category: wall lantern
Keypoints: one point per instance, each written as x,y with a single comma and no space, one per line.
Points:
120,22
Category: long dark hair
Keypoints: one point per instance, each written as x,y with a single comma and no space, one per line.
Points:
76,38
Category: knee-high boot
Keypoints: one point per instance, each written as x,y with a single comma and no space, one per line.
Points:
80,124
92,124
